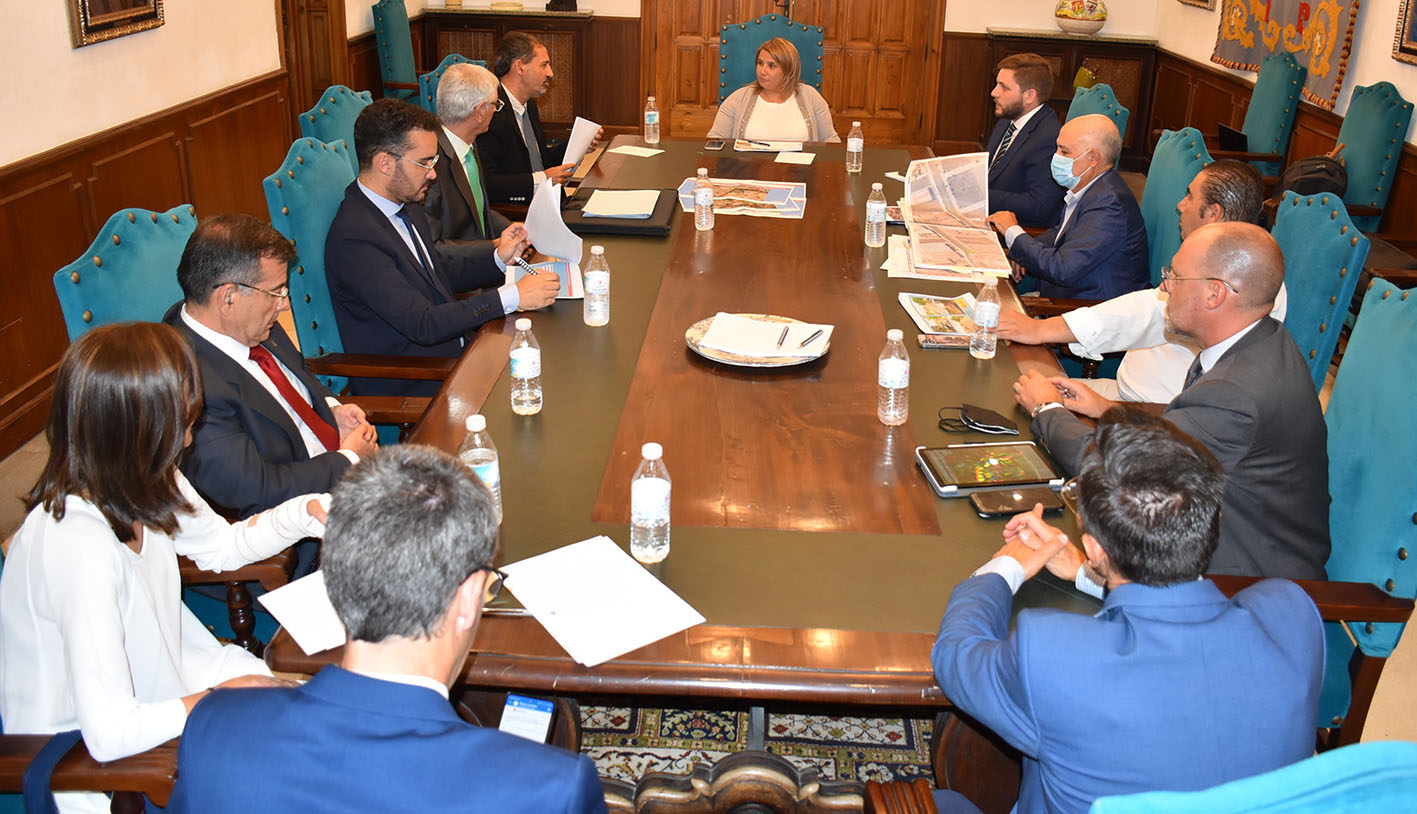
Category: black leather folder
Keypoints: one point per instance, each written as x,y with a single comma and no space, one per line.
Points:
656,225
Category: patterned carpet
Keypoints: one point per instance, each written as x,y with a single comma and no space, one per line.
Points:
627,743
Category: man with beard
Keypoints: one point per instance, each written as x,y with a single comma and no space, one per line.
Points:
1021,145
393,292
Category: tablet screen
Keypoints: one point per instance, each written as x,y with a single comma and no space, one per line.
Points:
988,465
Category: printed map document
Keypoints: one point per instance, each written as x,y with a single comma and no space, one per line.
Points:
945,205
762,199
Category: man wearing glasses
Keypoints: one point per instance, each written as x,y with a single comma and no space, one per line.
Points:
394,292
376,732
269,429
1248,397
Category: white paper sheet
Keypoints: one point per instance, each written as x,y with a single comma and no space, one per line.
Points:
895,176
621,203
596,601
630,149
795,158
548,232
752,337
304,610
582,134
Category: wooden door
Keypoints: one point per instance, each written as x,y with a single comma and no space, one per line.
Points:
880,61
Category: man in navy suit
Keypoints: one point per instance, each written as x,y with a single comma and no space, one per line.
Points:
376,732
269,430
1099,249
393,291
1171,685
1021,146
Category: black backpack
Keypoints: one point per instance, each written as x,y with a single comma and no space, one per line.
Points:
1313,176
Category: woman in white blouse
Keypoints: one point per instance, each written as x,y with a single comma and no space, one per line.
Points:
93,632
778,106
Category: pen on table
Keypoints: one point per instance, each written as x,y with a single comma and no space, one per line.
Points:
809,339
524,264
782,338
759,143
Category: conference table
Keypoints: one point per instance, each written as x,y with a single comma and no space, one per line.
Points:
802,529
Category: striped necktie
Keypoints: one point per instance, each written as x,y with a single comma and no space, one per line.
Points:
1004,145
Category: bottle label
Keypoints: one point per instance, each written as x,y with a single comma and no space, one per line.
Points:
893,373
876,211
651,117
703,196
649,501
855,145
597,282
526,363
986,314
490,474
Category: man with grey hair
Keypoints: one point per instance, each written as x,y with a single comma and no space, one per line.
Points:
408,565
1099,250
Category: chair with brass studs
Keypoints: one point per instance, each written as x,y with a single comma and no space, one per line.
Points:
332,118
394,43
739,43
428,83
1269,119
1099,99
129,274
1373,132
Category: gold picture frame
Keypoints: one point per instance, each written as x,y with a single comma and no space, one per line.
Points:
1404,42
1208,5
92,21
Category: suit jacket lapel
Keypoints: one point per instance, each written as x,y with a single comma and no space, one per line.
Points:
429,276
248,390
1020,139
284,350
459,173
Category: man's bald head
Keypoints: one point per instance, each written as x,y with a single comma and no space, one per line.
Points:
1245,256
1092,132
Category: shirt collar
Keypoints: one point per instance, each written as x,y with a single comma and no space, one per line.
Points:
407,678
1212,354
388,207
518,106
460,147
236,350
1022,120
1073,195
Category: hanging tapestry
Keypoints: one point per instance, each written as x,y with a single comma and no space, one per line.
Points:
1319,33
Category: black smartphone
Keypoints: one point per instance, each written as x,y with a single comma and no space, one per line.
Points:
714,144
1009,502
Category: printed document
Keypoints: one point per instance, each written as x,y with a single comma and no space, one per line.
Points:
946,204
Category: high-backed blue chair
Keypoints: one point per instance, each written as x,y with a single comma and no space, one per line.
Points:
1365,777
428,83
397,69
1374,129
1179,156
1269,120
1099,99
129,274
332,118
739,43
1323,255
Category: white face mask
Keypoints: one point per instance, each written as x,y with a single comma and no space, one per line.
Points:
1063,170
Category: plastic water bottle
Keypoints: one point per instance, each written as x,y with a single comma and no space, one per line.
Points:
986,320
526,370
649,507
651,122
478,454
597,289
855,145
893,381
876,218
703,201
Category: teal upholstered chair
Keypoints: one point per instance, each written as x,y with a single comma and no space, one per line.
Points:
1373,132
1269,120
1373,517
428,83
1323,255
397,69
1099,99
1365,777
738,45
332,118
1179,156
129,273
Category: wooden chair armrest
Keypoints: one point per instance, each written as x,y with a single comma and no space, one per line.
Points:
1245,155
402,85
272,572
393,409
899,797
1337,601
1402,278
373,366
1053,306
1361,211
151,772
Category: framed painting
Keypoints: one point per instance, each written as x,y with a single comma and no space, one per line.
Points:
92,21
1209,5
1404,44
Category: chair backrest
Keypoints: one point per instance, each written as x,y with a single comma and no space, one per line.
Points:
1273,103
1099,99
1374,129
1323,256
395,44
303,196
332,118
739,43
129,274
1179,156
1359,778
428,83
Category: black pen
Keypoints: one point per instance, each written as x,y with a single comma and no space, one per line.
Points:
524,264
782,338
809,339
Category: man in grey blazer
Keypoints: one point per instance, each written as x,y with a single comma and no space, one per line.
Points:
1248,397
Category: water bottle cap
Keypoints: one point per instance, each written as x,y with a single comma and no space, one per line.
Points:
856,124
523,324
703,171
894,335
652,451
476,423
597,250
875,186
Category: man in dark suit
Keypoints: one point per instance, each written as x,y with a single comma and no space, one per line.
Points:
1021,146
393,291
376,732
458,203
269,429
1171,685
1248,397
1099,249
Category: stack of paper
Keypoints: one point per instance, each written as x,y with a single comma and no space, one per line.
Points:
638,152
745,336
899,264
621,203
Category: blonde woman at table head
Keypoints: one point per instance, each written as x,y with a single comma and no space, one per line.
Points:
777,106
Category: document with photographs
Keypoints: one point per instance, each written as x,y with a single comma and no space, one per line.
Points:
945,206
950,316
762,199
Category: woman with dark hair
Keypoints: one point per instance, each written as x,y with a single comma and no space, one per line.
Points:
93,632
777,106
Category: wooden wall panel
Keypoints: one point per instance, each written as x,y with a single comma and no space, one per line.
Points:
363,70
1171,101
966,77
150,175
612,45
236,143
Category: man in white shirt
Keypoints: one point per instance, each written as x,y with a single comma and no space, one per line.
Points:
1021,146
269,430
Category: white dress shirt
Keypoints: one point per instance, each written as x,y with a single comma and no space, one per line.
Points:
519,110
1070,202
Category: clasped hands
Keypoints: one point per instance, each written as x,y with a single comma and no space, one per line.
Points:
356,434
1036,545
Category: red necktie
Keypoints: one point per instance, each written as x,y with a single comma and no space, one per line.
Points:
323,429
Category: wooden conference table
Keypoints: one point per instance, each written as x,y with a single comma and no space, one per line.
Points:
801,527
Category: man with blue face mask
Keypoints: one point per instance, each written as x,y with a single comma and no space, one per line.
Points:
1099,250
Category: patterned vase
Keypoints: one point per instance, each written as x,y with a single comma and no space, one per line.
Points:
1080,16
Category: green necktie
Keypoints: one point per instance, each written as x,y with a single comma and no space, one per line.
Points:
474,179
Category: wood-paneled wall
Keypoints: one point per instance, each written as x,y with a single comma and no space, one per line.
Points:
211,152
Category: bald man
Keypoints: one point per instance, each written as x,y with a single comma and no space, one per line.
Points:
1248,397
1099,250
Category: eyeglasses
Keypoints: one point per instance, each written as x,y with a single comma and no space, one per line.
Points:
498,102
493,588
1168,276
426,167
280,293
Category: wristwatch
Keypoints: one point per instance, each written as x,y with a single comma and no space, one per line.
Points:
1045,406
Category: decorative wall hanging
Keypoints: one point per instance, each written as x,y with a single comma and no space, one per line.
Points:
92,21
1205,4
1318,32
1404,44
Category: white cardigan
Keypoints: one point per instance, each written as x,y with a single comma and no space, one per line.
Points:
733,114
